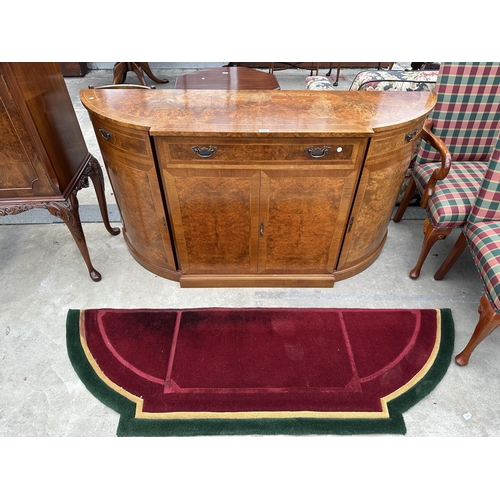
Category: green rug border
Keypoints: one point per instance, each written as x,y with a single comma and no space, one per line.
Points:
131,426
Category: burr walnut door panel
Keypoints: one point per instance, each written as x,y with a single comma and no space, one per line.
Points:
214,215
131,168
303,215
384,170
246,221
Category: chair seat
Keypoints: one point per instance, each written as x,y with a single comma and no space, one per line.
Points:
483,240
454,196
319,83
395,80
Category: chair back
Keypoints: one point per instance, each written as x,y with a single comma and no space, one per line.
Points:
467,112
487,204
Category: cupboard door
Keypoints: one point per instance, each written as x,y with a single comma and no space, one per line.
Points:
131,168
214,214
303,215
383,173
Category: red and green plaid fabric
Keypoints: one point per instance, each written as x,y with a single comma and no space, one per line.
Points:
467,118
467,113
454,196
483,239
487,205
482,230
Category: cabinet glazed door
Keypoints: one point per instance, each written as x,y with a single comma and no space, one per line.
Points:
214,215
303,215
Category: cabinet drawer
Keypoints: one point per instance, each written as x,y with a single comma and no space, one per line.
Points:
389,141
205,150
122,141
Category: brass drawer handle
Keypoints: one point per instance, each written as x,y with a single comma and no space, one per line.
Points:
204,152
318,152
410,135
106,134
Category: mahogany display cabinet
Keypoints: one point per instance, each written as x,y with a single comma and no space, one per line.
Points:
44,160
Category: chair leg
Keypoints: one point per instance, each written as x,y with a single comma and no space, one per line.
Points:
488,321
431,235
403,205
456,251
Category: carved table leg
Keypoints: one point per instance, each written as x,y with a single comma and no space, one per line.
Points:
94,171
68,212
145,67
431,235
488,321
119,72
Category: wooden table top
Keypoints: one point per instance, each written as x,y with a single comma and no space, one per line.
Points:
250,113
227,78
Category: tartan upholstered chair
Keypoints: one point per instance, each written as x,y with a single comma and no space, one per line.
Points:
481,234
456,145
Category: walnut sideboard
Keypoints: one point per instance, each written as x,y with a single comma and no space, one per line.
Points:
256,188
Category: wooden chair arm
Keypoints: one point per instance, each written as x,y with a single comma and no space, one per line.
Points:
440,173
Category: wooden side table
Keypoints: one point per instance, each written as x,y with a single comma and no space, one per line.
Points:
228,78
120,70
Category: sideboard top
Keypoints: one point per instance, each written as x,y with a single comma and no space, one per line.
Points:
247,113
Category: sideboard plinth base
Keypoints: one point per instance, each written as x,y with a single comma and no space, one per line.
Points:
272,280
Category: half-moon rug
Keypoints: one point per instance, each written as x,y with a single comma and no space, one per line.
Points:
260,371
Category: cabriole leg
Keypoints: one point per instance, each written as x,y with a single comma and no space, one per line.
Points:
68,212
431,235
489,319
456,251
94,171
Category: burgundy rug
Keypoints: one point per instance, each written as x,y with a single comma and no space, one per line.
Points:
260,371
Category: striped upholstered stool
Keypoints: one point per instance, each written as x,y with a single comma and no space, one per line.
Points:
481,234
457,141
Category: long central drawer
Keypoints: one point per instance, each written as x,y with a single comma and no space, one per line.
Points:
307,153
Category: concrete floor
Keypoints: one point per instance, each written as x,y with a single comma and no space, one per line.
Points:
43,275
